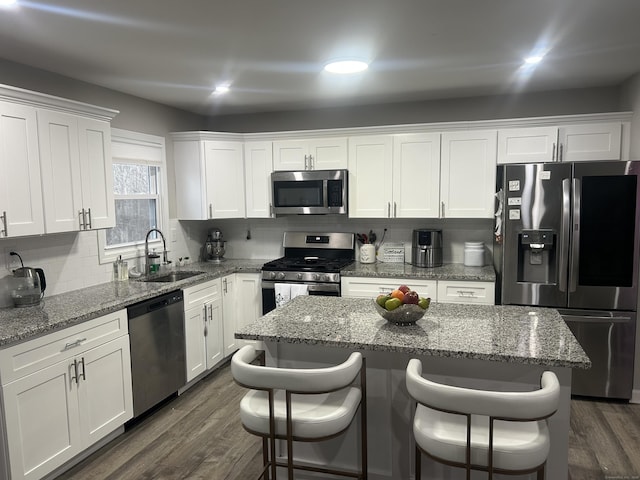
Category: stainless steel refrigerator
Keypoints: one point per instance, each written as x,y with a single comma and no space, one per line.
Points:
567,238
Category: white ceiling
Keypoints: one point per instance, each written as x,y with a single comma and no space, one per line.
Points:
272,51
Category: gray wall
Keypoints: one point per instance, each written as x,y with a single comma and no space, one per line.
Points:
565,102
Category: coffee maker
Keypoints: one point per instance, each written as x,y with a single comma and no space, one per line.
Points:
214,246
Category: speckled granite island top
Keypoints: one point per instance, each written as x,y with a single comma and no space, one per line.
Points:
67,309
448,271
529,335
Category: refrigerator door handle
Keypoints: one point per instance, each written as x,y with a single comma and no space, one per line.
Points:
564,236
575,243
596,318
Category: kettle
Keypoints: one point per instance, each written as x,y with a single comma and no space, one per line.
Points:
27,286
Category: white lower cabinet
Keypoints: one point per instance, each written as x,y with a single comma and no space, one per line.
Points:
248,302
443,291
229,315
76,396
371,287
203,327
466,292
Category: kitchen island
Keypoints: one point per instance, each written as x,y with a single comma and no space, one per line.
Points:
480,346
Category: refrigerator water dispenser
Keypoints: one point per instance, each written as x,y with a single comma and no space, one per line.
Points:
537,256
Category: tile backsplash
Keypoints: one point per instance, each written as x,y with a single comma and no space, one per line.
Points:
70,260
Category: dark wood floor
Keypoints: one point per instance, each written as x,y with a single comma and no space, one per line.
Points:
198,436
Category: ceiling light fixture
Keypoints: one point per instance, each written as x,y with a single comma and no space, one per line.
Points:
533,60
346,66
221,89
7,3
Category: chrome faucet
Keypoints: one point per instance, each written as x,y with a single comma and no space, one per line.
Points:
147,265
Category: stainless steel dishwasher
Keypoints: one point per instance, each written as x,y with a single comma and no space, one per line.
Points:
156,335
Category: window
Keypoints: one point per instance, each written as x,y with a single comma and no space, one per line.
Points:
140,195
135,189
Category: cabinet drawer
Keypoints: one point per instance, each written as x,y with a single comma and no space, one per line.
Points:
28,357
466,292
364,287
198,294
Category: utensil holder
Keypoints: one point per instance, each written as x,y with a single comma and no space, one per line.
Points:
368,253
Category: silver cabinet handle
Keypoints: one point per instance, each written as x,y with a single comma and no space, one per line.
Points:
82,219
553,153
70,345
466,293
311,167
211,210
205,317
75,372
395,210
88,224
271,209
224,284
84,377
4,224
305,162
388,209
560,152
442,208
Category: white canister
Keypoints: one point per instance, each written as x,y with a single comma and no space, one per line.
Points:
474,254
368,253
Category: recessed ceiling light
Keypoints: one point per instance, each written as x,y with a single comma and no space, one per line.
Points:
221,89
533,60
346,66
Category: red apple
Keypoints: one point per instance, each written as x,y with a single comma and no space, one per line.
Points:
411,297
403,288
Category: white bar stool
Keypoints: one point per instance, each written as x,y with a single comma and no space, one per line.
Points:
300,405
494,432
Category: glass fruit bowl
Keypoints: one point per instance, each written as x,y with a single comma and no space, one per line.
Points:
406,314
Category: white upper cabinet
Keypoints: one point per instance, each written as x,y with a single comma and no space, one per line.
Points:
598,141
224,175
209,177
416,176
527,145
571,143
370,176
468,174
317,154
258,165
20,190
77,173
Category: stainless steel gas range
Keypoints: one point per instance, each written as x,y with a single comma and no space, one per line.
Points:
312,259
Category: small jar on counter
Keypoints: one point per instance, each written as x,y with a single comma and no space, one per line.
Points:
474,254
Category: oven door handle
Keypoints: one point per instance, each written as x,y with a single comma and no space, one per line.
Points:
313,287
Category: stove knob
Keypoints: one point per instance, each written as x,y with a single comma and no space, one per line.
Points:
325,277
299,276
281,276
272,275
315,276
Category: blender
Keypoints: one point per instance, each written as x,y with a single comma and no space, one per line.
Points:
214,246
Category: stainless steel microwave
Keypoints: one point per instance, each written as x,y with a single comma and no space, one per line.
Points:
313,192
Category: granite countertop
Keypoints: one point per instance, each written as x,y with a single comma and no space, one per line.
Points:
448,271
67,309
529,335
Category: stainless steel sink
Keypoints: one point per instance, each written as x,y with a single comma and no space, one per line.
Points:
170,277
